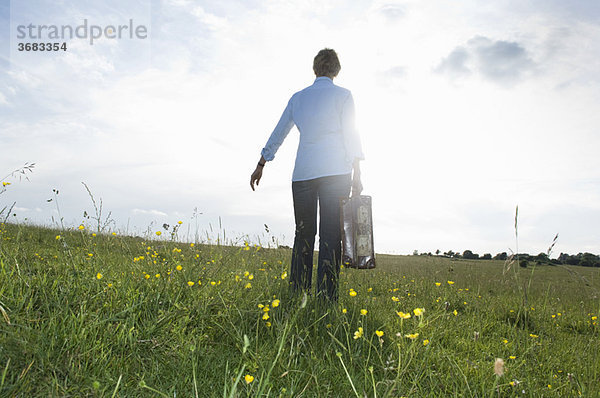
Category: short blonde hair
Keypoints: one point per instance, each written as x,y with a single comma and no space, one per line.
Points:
326,63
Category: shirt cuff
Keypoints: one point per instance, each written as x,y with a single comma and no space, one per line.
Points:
268,155
357,155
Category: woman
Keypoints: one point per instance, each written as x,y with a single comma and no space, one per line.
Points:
327,165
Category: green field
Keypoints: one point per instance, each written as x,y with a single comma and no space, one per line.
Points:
109,315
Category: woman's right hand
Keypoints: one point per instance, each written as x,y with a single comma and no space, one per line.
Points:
356,183
256,176
356,186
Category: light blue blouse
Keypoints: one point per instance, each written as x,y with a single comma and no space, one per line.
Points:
329,142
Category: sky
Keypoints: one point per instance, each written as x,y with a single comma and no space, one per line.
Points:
466,110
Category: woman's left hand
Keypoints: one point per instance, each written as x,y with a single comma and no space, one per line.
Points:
256,176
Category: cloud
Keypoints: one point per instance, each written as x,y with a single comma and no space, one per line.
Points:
499,61
149,212
392,12
392,77
455,64
396,72
211,21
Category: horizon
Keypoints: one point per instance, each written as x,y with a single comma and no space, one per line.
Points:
465,112
159,234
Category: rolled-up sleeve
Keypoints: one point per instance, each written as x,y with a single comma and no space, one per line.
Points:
286,122
351,138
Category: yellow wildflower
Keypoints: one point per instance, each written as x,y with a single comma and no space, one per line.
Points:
451,282
81,227
284,275
157,276
158,233
179,222
438,284
394,298
249,379
419,311
412,336
190,283
248,285
358,334
265,316
403,315
275,303
425,342
363,312
379,333
57,237
352,293
179,268
99,275
455,312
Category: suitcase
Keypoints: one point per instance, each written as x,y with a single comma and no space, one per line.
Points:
357,232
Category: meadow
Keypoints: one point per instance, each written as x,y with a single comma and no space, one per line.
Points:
91,314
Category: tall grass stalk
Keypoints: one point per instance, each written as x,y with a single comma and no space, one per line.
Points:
114,394
339,355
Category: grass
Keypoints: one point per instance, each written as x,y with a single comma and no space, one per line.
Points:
109,316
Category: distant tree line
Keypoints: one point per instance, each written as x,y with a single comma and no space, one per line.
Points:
581,259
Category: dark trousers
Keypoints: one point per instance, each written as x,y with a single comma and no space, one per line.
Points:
327,192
